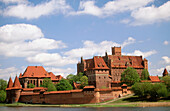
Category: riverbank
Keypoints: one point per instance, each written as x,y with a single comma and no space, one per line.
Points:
133,104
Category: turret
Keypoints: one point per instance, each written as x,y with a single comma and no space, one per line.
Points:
165,72
116,51
10,83
145,61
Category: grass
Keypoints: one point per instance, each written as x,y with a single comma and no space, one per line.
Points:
138,99
70,105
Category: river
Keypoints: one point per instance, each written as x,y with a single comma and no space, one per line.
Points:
85,109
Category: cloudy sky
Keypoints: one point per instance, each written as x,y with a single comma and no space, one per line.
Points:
56,33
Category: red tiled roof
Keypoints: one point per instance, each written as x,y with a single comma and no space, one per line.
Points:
27,89
116,81
87,87
35,71
165,72
17,83
154,78
145,81
20,76
39,88
10,83
124,61
124,85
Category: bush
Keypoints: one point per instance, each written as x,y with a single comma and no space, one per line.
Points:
2,96
166,80
130,76
63,85
30,85
47,83
150,90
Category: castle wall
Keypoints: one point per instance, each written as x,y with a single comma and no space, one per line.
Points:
73,96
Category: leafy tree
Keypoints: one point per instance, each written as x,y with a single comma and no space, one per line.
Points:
51,87
63,85
150,90
30,85
2,96
145,74
166,80
130,76
3,84
83,81
158,90
47,83
70,76
80,75
141,89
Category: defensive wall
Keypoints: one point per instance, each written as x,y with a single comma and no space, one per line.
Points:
79,96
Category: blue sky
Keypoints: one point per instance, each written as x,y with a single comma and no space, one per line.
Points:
56,33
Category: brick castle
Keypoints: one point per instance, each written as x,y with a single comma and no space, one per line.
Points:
104,74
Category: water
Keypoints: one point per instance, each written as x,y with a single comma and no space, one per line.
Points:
84,109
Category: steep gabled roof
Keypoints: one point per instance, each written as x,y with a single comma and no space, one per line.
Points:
35,71
10,83
165,72
154,78
20,76
96,63
17,83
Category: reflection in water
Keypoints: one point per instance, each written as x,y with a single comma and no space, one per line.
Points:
84,109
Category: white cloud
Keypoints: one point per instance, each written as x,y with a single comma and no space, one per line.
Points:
159,71
30,11
90,48
110,8
152,14
166,59
22,40
7,72
53,59
125,21
140,53
14,1
166,42
19,32
59,71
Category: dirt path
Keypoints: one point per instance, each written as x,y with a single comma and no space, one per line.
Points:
116,99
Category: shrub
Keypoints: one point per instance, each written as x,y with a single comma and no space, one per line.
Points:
2,96
30,85
63,85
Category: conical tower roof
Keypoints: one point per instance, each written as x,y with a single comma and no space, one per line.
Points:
17,83
20,76
10,83
165,72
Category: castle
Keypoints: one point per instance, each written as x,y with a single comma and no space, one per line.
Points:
104,74
105,71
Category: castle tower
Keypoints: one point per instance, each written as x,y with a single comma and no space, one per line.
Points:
165,72
10,83
16,90
116,51
80,66
8,91
145,63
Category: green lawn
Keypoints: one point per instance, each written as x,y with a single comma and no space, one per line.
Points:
137,99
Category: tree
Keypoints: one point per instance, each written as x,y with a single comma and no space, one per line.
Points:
141,89
30,85
51,87
3,84
166,80
145,74
63,85
47,83
150,90
80,75
2,96
83,81
130,76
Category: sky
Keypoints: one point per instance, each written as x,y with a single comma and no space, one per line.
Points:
56,33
